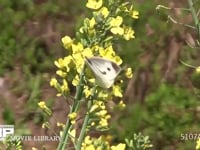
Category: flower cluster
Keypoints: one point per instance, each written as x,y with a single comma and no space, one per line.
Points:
89,43
99,115
94,38
100,143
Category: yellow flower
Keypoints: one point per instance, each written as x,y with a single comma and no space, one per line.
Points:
198,144
42,104
60,124
198,69
92,123
107,117
97,48
121,105
116,22
77,54
118,60
101,113
103,94
99,148
87,144
64,63
87,140
107,53
117,91
72,117
59,94
75,81
119,147
77,48
94,4
67,60
87,91
60,63
128,33
110,50
103,122
53,82
33,148
61,73
148,146
79,67
64,87
117,30
104,11
134,14
92,23
72,134
101,105
87,52
92,80
129,73
67,41
94,107
78,61
46,125
89,147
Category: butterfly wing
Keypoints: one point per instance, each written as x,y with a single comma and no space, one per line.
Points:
104,70
103,66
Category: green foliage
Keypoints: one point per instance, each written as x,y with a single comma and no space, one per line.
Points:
16,43
169,111
146,42
8,115
138,142
11,21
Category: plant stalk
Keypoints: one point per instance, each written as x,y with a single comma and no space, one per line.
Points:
79,91
194,15
86,120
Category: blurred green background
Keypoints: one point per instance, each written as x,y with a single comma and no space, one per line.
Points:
162,98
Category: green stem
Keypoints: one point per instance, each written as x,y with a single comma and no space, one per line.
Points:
194,15
86,120
65,135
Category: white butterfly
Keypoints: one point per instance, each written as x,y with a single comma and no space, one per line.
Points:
104,70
